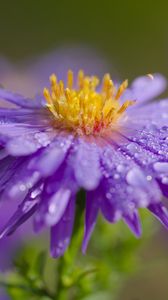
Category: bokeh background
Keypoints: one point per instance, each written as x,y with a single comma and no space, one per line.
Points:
131,38
131,34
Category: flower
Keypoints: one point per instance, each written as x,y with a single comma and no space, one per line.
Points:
104,139
9,246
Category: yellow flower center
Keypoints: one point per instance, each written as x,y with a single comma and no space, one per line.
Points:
86,109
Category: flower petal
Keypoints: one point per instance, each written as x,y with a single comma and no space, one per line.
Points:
58,190
144,88
27,144
52,208
92,208
49,160
57,205
154,113
133,222
26,118
148,148
61,232
20,100
109,211
22,214
125,184
7,170
86,165
160,212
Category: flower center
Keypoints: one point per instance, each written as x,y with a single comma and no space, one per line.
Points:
88,108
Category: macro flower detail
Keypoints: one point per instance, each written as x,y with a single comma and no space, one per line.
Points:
104,139
85,110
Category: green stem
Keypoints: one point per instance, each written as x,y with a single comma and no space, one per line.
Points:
60,293
33,291
67,262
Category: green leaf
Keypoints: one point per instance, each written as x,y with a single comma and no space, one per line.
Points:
22,266
40,263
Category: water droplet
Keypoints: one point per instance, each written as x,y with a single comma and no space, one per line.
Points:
120,168
22,187
116,176
117,215
161,167
143,202
165,180
149,178
52,208
57,206
135,177
108,196
132,147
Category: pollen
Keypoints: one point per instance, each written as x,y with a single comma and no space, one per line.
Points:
84,105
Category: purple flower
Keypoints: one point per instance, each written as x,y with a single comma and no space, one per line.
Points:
11,76
104,139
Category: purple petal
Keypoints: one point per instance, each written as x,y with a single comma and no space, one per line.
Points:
18,181
125,184
160,212
8,169
28,143
164,187
18,189
86,166
26,118
52,156
133,222
62,231
58,189
92,208
24,139
154,113
148,147
22,214
109,210
57,205
144,88
20,100
52,209
160,170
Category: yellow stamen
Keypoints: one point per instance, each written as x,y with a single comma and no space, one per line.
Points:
53,79
125,106
121,89
80,79
83,109
70,79
48,97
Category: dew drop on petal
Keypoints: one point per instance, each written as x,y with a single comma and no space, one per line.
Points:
52,208
57,206
149,177
132,147
28,205
120,168
135,177
164,180
161,167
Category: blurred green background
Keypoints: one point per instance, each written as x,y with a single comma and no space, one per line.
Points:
133,37
131,34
